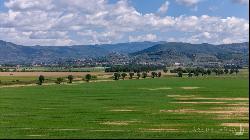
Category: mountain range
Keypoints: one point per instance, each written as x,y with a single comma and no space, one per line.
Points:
138,51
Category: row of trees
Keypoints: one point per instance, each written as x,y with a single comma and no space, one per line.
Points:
201,71
70,78
144,75
136,68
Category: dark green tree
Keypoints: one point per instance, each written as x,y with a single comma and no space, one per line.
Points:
159,74
88,77
70,78
41,79
124,75
131,74
179,73
117,76
59,80
153,74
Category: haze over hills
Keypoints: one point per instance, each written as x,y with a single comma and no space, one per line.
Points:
138,52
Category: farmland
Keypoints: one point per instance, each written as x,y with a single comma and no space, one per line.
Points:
167,107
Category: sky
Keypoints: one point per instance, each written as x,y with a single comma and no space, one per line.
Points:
84,22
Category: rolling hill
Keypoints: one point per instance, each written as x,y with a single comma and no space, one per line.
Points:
169,52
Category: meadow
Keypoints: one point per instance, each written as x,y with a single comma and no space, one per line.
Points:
167,107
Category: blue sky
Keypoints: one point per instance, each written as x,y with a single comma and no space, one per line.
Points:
69,22
223,8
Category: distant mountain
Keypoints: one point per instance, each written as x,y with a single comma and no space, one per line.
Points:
125,48
139,52
194,53
12,53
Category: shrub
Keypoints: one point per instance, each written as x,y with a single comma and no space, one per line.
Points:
88,77
59,80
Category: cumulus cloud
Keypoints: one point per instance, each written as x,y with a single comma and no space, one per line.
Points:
164,8
64,22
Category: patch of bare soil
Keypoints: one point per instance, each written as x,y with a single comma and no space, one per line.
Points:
240,110
35,135
159,130
118,122
107,130
181,96
190,88
222,99
122,110
198,102
161,88
236,124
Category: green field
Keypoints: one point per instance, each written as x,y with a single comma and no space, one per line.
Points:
212,107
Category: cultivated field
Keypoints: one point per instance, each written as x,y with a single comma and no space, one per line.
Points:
167,107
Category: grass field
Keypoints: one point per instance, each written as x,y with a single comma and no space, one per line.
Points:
213,107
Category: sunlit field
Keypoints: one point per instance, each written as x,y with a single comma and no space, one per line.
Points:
167,107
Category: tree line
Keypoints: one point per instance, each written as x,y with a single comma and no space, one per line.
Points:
201,71
59,80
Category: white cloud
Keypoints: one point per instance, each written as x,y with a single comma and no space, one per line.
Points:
147,37
164,8
97,21
188,2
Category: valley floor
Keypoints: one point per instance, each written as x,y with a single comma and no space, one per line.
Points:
212,107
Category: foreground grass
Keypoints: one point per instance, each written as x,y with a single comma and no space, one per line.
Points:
122,109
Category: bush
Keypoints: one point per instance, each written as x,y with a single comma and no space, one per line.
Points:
88,77
59,80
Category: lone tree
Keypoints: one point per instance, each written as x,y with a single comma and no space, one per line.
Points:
124,75
59,80
88,77
41,79
144,75
131,74
70,78
117,76
138,75
159,74
179,73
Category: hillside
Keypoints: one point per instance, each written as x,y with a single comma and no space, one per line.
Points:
12,53
138,52
194,53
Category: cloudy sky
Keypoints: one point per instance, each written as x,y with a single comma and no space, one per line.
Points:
70,22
